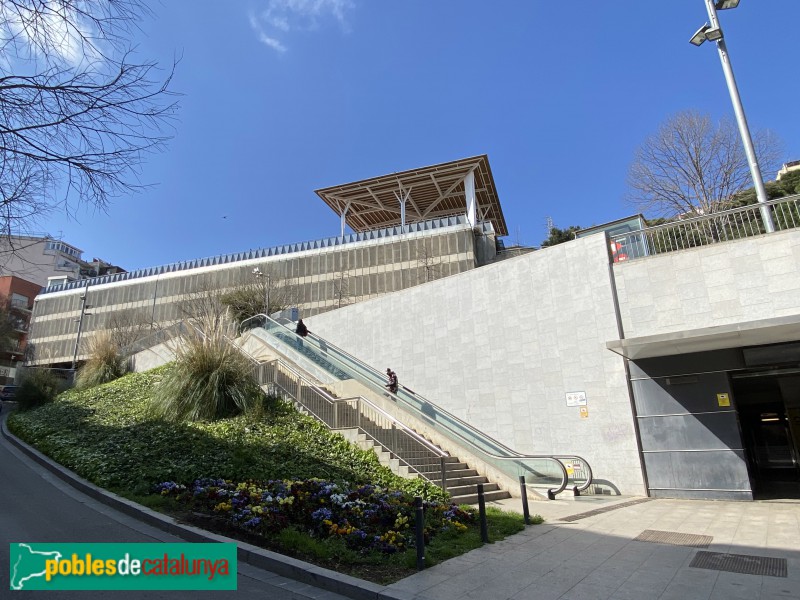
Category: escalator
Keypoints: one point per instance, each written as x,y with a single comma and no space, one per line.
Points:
547,475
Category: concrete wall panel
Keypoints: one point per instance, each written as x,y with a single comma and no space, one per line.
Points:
500,347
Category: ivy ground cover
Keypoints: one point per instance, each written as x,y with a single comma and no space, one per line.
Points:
274,475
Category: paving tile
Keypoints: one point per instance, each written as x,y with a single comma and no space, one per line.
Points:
736,585
779,587
587,592
421,581
686,591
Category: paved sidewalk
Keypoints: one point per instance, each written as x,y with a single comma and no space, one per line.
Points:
595,557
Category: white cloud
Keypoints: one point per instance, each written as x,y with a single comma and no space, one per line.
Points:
281,17
50,28
271,42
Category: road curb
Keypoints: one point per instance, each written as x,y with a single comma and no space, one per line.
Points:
288,567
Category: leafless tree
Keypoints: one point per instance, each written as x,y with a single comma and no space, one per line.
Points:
77,112
250,298
428,263
341,288
206,310
694,166
128,327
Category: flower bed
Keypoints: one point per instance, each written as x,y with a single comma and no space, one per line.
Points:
367,519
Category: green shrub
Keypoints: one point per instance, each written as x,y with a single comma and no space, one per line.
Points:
210,380
105,362
38,387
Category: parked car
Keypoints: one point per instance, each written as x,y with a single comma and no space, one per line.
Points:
8,392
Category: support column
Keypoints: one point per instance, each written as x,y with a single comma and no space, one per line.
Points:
402,198
469,192
344,217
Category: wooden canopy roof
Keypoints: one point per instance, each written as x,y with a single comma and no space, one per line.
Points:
433,192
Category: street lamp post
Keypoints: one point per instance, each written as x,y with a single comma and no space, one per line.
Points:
713,33
257,272
84,306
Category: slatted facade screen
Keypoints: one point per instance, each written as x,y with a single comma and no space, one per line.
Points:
319,279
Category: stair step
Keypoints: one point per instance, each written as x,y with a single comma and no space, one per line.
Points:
458,481
459,490
487,496
450,467
449,460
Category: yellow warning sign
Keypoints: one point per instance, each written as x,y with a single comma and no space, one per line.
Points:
584,412
723,400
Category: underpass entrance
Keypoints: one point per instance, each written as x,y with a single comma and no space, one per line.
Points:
768,410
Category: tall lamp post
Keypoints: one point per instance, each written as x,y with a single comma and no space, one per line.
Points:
84,306
258,273
713,33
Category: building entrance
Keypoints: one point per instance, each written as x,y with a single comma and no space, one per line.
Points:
768,408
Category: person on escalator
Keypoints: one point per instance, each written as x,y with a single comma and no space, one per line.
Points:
302,331
392,385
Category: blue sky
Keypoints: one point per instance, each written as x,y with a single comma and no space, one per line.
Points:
281,97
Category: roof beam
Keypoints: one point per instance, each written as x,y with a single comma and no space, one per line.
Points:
441,197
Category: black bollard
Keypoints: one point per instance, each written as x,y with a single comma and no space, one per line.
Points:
420,527
523,489
482,515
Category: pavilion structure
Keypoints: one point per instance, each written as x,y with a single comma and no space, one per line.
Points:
459,187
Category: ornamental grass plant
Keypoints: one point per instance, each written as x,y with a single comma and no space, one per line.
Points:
38,387
105,363
210,380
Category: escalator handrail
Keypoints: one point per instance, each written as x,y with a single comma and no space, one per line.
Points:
514,455
496,443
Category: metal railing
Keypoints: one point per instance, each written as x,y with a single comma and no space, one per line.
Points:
724,226
537,469
157,337
403,443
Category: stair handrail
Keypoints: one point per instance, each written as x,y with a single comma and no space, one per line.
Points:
417,437
167,333
516,456
466,425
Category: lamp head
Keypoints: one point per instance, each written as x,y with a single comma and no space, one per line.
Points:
726,4
706,32
714,34
700,35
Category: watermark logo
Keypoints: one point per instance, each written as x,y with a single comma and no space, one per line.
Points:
84,566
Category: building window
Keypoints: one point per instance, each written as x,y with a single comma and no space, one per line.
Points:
19,301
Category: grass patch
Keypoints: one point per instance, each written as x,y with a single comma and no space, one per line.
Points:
107,435
500,525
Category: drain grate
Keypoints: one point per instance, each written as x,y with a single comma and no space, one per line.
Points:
674,538
605,509
740,563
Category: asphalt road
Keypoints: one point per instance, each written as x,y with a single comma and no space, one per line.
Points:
36,506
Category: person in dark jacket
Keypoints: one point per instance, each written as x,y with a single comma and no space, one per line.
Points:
392,384
301,331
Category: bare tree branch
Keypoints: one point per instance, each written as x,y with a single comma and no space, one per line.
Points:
692,166
77,113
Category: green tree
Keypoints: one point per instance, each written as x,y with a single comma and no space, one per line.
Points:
8,337
559,236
